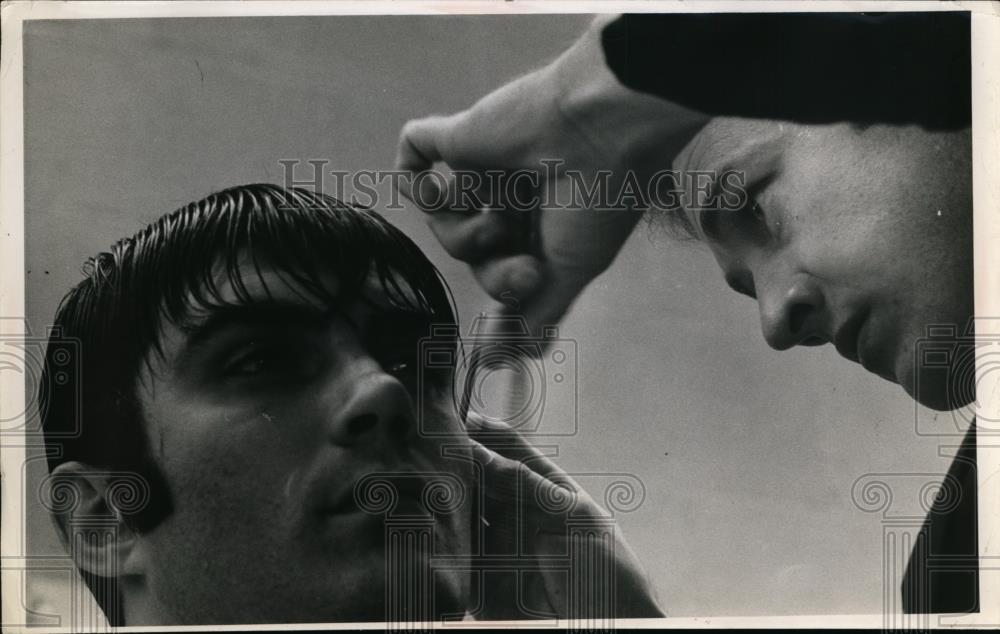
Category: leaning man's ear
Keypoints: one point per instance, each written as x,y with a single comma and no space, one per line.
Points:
89,520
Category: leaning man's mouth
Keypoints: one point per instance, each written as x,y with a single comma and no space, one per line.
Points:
857,341
874,354
847,337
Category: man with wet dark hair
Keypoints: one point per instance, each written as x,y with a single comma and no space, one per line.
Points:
245,362
853,134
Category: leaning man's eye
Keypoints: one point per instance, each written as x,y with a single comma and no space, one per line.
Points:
752,222
755,210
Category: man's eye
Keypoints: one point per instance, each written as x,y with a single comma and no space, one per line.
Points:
753,211
752,222
395,342
252,364
397,357
285,362
748,222
399,366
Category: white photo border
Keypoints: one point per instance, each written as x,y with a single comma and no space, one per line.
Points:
986,196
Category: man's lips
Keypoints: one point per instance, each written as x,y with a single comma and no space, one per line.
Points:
400,493
847,337
855,340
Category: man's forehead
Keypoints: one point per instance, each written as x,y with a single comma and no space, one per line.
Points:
752,148
249,283
735,143
261,281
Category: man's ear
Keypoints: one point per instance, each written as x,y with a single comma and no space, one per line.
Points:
91,529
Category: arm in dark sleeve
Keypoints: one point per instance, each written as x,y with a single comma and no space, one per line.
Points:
806,67
942,574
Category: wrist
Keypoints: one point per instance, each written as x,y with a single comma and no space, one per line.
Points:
621,125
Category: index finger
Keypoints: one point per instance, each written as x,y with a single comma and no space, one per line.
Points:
512,482
421,144
502,439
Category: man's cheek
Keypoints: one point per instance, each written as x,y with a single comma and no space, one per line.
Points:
209,428
843,258
238,456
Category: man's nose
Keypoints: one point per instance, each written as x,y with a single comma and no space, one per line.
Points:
791,312
377,409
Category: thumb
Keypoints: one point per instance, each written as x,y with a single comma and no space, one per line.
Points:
527,289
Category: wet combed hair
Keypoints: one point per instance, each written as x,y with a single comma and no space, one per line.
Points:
116,314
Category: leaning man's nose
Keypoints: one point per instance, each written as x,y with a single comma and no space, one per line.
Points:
787,319
378,410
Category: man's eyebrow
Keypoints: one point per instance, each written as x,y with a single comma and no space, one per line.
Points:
250,315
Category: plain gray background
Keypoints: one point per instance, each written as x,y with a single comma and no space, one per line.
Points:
748,455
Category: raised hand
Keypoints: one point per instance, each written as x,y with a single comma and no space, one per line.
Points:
574,127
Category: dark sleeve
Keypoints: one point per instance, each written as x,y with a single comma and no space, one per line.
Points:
806,67
942,574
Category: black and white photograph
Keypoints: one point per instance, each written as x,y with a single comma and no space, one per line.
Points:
500,314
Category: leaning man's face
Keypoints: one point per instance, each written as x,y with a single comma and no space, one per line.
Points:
263,417
859,238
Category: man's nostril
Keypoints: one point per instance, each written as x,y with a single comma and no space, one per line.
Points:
797,316
361,424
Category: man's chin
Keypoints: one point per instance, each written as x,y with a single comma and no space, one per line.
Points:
408,589
397,600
